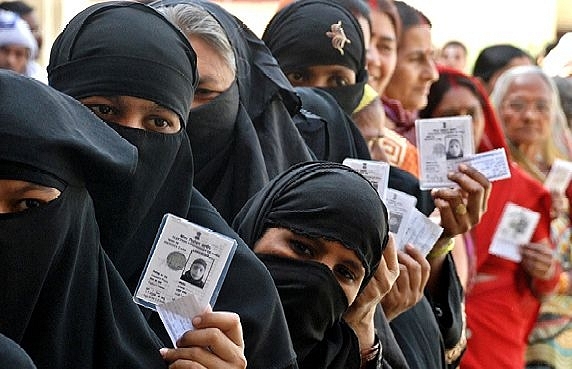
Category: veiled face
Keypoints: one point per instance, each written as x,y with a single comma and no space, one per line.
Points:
134,112
215,75
526,110
343,262
17,196
197,271
322,76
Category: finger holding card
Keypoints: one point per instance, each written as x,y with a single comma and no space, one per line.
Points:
538,260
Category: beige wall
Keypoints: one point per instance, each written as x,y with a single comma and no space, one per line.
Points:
527,23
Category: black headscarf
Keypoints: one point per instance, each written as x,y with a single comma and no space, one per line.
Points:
300,36
103,51
64,302
130,212
248,128
307,199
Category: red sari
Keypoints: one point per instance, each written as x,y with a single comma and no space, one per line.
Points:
502,305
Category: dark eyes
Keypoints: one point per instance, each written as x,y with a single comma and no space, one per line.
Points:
101,109
297,77
339,81
300,248
344,272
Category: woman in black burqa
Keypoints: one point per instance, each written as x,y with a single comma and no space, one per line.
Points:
312,205
117,49
63,301
245,136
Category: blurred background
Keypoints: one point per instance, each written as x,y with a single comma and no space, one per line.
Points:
528,24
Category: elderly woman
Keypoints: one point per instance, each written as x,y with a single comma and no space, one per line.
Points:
497,287
240,124
536,130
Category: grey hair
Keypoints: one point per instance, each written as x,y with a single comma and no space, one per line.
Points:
561,135
193,20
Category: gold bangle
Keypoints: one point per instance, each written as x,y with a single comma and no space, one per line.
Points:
442,251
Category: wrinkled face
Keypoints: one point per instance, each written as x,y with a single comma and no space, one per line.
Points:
215,75
459,100
322,76
382,51
343,262
17,196
14,58
134,112
454,56
521,60
197,271
526,111
415,70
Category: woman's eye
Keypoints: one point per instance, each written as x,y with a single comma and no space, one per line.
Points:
301,249
296,77
33,203
344,272
339,81
160,122
101,109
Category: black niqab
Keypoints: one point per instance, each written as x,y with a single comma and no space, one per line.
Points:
245,136
306,199
131,211
107,38
300,36
64,302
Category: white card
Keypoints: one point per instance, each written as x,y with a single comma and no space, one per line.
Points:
516,227
177,315
492,164
185,259
399,206
559,176
442,144
376,172
421,232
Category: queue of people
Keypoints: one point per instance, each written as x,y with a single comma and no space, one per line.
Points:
176,107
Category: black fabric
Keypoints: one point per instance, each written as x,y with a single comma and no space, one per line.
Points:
85,61
392,354
64,302
314,302
297,37
307,199
164,175
328,130
268,343
246,135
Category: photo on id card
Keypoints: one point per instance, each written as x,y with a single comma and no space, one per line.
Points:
442,143
185,259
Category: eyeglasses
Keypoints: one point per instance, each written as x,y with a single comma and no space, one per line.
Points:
521,106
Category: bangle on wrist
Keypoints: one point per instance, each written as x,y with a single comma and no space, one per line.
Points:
443,250
371,353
